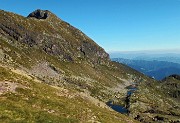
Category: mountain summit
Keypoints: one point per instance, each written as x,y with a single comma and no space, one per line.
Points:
39,14
53,36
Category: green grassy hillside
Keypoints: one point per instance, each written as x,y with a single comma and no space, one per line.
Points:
63,76
52,72
26,99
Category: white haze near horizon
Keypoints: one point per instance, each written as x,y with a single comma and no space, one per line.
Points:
164,55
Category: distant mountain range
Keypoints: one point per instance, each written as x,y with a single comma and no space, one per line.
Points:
154,68
148,56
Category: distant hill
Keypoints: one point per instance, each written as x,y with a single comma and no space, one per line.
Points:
155,69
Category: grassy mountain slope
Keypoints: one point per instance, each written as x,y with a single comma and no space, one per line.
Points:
61,55
51,71
55,53
23,98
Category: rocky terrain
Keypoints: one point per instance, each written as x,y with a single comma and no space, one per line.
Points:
157,101
52,72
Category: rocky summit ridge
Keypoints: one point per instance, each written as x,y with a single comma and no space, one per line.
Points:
54,36
39,14
51,71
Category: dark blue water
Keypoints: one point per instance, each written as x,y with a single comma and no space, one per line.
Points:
117,108
131,91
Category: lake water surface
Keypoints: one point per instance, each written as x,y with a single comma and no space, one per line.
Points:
119,108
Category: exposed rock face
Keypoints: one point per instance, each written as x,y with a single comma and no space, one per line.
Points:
171,85
53,36
175,76
39,14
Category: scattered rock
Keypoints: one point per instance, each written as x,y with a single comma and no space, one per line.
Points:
6,87
158,118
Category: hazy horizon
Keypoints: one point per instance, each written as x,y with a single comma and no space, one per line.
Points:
175,51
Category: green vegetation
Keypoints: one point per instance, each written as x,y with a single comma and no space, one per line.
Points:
38,102
52,72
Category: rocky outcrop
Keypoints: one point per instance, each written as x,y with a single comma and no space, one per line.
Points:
171,85
175,76
39,14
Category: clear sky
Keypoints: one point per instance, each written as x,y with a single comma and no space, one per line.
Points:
116,25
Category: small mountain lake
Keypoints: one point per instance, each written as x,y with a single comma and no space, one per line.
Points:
121,109
131,89
117,108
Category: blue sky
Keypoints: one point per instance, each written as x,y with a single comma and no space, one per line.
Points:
116,25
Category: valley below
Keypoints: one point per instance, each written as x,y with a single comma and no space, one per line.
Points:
152,68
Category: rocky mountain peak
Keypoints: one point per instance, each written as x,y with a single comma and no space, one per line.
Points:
175,76
53,36
39,14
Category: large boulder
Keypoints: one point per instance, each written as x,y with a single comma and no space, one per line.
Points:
39,14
